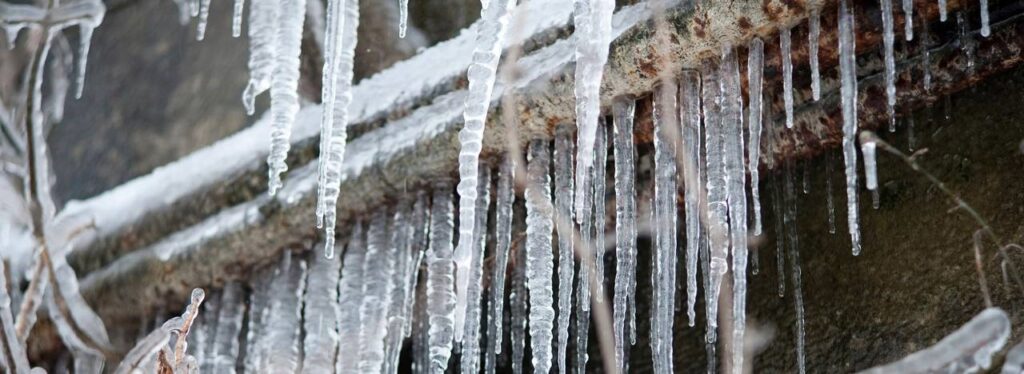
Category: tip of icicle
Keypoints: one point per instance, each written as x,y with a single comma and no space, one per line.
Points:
198,295
329,245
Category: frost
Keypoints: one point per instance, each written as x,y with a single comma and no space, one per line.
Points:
626,232
848,92
967,350
441,281
539,258
481,75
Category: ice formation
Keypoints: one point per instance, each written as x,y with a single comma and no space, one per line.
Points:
441,281
888,38
481,76
625,221
732,122
471,339
755,71
563,218
666,129
785,46
848,93
813,38
284,82
503,237
539,258
689,116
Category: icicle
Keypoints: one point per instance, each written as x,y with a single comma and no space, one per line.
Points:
806,169
84,41
592,20
689,115
732,121
539,258
943,12
625,220
13,353
320,315
986,30
563,208
262,48
1014,363
665,133
285,313
830,202
229,326
258,301
789,218
204,15
867,147
600,174
403,17
717,193
343,22
785,45
848,91
284,100
755,70
236,18
471,340
481,74
705,266
967,350
503,239
908,19
441,280
813,36
399,309
780,234
350,296
518,315
888,38
378,269
419,243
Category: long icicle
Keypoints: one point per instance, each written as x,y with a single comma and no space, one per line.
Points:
563,207
350,296
539,258
471,340
717,204
732,121
236,18
503,239
789,218
440,280
689,116
666,129
599,204
625,220
592,20
888,39
908,19
786,49
813,37
334,121
284,99
755,72
262,46
481,75
848,91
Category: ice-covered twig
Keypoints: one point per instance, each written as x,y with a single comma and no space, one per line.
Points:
187,318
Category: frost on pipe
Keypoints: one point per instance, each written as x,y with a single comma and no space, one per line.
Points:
481,74
967,350
689,116
343,22
625,220
563,207
592,20
441,280
539,258
848,93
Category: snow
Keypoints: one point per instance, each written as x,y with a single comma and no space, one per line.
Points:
481,75
625,221
539,258
848,93
967,350
441,281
